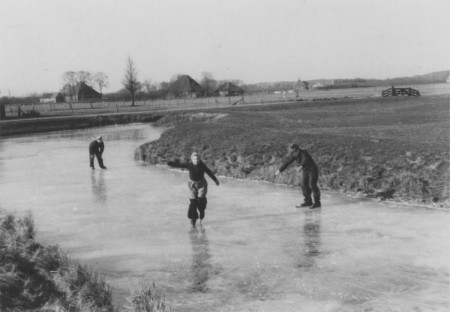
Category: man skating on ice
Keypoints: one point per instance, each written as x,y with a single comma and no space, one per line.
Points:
310,174
96,149
197,185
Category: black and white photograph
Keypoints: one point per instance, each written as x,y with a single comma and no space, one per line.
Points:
224,155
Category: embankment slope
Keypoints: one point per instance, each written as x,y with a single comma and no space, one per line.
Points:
394,149
36,125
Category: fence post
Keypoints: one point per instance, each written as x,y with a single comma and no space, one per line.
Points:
2,112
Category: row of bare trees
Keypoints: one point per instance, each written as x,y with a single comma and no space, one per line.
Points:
131,82
72,79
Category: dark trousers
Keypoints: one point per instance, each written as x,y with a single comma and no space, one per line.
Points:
99,159
309,184
197,204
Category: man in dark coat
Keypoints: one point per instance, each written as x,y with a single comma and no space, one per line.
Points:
310,174
197,185
96,149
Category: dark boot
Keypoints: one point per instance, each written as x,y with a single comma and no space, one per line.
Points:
192,211
308,202
201,205
100,161
317,203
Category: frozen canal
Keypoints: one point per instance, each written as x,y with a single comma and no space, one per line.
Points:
255,252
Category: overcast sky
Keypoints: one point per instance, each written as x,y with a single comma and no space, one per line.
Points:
251,40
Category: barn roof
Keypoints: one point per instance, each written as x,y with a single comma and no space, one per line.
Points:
301,85
230,87
184,84
87,89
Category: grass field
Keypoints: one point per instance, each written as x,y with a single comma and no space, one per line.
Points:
390,148
105,107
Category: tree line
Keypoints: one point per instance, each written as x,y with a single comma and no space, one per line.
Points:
134,89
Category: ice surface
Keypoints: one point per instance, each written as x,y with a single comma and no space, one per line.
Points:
255,251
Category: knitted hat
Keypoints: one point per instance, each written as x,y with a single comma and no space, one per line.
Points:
195,154
99,138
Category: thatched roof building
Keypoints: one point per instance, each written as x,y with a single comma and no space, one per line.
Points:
185,86
301,85
229,89
83,93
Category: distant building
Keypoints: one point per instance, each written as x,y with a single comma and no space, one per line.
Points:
83,93
301,86
185,86
321,83
229,89
53,98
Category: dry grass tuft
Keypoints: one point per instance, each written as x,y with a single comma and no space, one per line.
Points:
148,299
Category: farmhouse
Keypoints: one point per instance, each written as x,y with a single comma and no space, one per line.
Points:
53,98
82,92
301,86
229,89
185,86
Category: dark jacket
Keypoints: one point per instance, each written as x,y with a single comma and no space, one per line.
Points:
96,147
196,172
303,158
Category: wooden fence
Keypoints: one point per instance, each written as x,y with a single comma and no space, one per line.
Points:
13,111
400,91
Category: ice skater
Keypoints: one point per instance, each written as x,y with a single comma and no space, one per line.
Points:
310,175
96,149
197,185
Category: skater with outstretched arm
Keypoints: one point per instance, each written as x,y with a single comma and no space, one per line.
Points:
197,185
310,175
96,149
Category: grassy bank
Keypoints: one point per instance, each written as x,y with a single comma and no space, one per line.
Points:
34,277
35,125
387,148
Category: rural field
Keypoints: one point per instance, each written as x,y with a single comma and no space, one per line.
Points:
111,107
387,148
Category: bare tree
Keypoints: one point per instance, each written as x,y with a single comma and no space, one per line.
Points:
101,80
238,82
209,83
164,85
149,85
70,82
130,82
84,77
